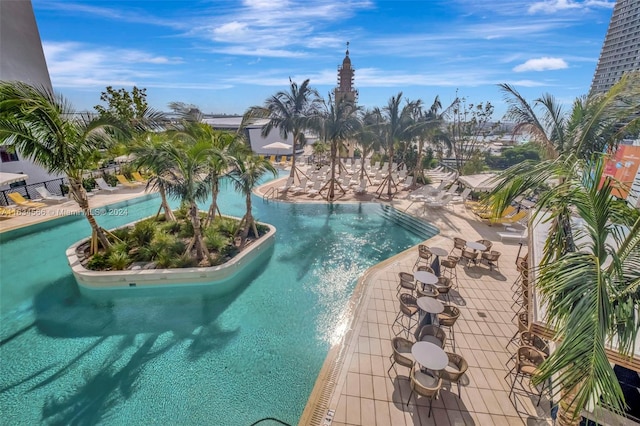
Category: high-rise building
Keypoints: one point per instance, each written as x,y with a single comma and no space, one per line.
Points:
345,89
21,59
621,49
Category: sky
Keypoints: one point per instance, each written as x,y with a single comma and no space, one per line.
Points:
225,55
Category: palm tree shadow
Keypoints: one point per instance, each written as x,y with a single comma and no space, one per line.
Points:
95,401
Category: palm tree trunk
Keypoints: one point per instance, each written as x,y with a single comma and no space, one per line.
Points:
293,153
331,194
568,413
164,204
389,192
249,222
198,242
80,195
213,208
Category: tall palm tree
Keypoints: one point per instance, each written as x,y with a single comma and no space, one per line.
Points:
587,279
249,169
45,128
289,112
396,126
428,126
188,181
150,156
225,145
337,123
368,138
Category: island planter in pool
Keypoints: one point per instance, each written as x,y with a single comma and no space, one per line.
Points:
219,279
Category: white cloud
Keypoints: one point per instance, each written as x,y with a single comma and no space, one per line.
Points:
552,6
74,64
542,64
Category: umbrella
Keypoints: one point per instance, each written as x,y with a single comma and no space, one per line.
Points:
7,178
278,145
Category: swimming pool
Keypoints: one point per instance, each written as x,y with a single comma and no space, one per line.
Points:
190,359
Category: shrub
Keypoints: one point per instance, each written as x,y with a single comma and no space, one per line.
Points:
214,239
171,227
118,261
186,230
98,262
227,225
122,233
184,261
89,183
111,179
143,233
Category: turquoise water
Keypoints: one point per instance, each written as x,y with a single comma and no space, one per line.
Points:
181,359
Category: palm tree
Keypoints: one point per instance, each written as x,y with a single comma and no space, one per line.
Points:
289,112
187,180
249,170
396,126
45,128
428,129
368,138
150,156
337,123
587,279
225,145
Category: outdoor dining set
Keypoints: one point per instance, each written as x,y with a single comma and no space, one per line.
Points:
425,323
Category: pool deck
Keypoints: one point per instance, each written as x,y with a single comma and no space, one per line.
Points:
353,387
24,218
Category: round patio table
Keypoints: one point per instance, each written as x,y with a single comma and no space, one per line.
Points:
438,251
476,246
430,305
425,277
429,355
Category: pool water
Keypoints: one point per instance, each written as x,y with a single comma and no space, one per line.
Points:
183,359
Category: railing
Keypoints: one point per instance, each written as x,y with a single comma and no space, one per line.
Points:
271,193
55,186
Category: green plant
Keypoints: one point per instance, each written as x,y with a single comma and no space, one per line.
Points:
89,183
215,240
164,260
98,262
171,227
184,261
143,233
122,233
110,178
227,225
118,260
186,230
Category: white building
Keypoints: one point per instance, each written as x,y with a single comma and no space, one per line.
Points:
253,134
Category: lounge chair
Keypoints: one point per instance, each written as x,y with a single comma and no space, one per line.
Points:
522,214
104,186
138,177
47,196
125,182
488,214
287,185
510,236
443,201
407,183
315,190
301,188
23,203
362,188
457,199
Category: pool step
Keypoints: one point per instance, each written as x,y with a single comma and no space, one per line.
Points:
423,229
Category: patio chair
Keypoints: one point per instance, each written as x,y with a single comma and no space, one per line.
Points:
408,309
315,190
488,214
427,290
522,214
491,258
457,199
523,325
104,186
23,203
424,255
528,359
425,385
488,244
458,244
407,281
408,183
401,354
125,182
362,188
448,266
444,285
448,318
469,256
433,334
454,371
47,196
301,187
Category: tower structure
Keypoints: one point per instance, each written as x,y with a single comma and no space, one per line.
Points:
621,49
345,89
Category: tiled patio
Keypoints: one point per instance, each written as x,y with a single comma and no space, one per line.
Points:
366,395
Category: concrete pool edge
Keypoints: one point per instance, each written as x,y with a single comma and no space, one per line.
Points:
97,281
333,373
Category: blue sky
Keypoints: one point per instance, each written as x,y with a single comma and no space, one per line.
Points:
225,56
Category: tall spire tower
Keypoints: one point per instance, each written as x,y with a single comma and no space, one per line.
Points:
345,89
